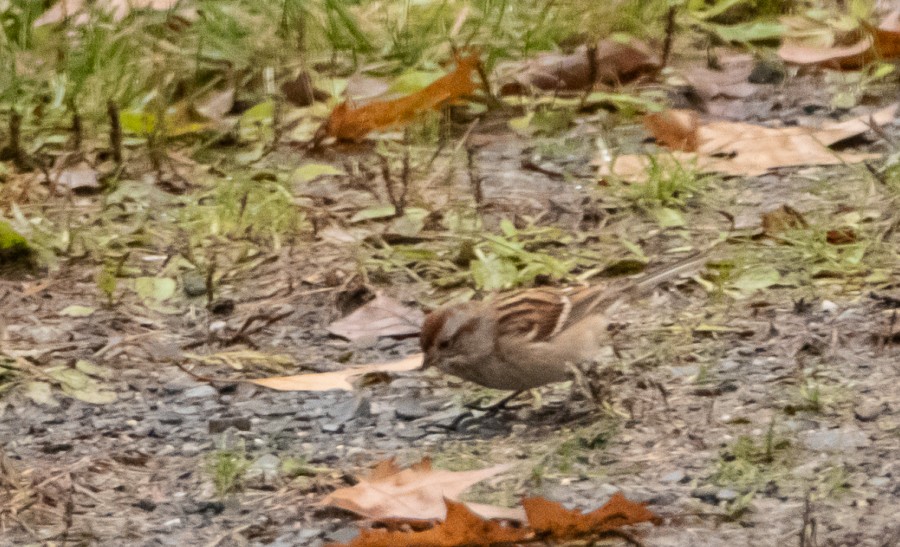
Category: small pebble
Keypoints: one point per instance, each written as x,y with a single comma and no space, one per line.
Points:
726,494
200,391
674,476
868,411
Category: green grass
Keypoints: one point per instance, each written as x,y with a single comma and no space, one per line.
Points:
750,463
227,469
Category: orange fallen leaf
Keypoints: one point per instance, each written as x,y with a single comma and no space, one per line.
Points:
418,492
340,379
462,527
743,149
676,129
550,519
352,124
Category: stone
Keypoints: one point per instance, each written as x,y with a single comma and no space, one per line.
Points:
332,427
199,392
707,493
194,284
868,411
345,534
674,476
170,418
219,425
835,440
410,409
267,468
684,372
726,494
767,71
357,407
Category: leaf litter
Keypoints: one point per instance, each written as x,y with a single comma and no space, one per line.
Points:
341,379
420,496
741,149
844,50
382,317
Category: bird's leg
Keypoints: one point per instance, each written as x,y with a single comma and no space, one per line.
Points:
495,407
467,416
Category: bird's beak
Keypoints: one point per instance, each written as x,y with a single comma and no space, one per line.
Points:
427,361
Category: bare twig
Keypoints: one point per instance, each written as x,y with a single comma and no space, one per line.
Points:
77,129
670,35
808,539
115,131
265,320
475,178
20,159
397,200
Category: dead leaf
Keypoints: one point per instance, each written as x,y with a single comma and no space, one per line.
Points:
781,220
119,9
341,379
842,236
362,88
353,124
614,62
742,149
730,80
301,92
881,42
382,317
553,520
676,129
80,177
417,492
215,104
462,527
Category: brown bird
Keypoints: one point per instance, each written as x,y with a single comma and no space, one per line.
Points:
525,339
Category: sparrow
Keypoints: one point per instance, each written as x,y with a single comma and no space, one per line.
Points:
525,339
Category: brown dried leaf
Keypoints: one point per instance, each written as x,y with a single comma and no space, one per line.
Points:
353,124
614,62
881,42
382,317
742,149
462,527
729,81
841,236
552,519
341,379
676,129
418,492
781,220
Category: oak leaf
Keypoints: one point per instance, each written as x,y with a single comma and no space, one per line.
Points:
881,42
462,527
552,520
610,62
341,379
382,317
417,492
743,149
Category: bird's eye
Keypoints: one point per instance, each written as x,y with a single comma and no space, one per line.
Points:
444,344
